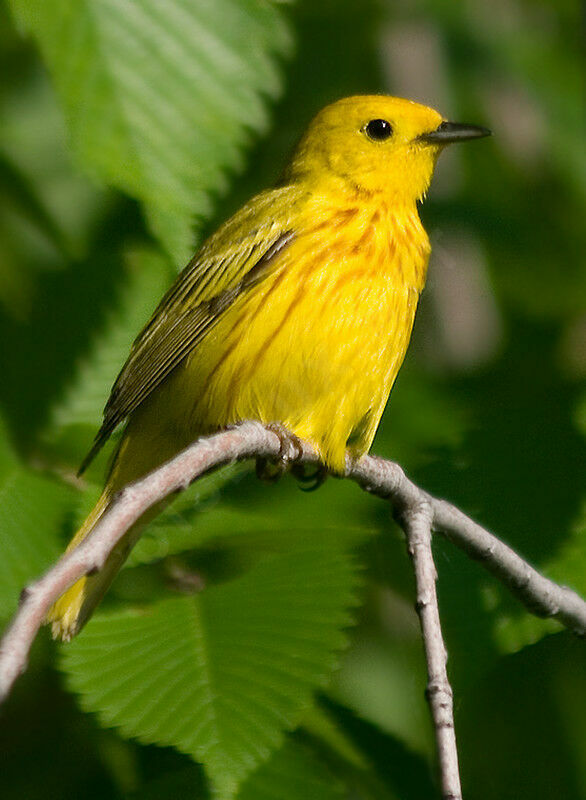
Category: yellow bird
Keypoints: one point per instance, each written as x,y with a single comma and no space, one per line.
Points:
297,311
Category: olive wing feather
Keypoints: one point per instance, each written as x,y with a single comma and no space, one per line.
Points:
224,268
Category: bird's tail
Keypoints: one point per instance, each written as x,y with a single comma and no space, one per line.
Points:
139,452
71,611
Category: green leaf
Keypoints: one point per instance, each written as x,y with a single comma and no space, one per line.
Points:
518,629
84,400
32,509
568,566
293,773
377,763
223,674
532,705
231,506
47,209
22,195
160,98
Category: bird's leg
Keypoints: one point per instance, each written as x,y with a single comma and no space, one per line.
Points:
290,450
312,479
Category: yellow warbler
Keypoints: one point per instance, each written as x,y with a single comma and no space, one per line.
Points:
298,310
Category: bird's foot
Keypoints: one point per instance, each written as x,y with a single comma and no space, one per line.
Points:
290,450
290,446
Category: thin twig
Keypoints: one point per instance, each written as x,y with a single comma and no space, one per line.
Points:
251,439
416,521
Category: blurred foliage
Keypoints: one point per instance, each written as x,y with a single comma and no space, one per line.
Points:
122,123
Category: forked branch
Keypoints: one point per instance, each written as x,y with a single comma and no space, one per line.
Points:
419,514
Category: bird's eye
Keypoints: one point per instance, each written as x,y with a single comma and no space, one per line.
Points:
378,130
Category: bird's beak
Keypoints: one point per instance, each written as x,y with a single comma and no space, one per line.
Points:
449,132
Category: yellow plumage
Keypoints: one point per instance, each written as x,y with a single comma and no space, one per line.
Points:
298,310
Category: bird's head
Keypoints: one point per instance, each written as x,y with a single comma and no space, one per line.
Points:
377,144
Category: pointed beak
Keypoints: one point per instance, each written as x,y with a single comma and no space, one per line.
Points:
453,132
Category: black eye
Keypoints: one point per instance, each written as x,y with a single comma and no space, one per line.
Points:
378,130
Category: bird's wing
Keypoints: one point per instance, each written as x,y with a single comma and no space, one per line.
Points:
236,258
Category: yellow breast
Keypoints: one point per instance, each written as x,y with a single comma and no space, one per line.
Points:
316,346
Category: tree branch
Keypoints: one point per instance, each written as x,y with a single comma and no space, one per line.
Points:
247,440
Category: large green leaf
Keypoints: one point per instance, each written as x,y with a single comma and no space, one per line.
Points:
223,674
161,97
32,508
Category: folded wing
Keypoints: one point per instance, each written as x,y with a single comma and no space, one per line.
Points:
229,264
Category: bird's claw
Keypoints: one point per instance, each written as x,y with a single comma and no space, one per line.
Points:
290,446
290,450
313,479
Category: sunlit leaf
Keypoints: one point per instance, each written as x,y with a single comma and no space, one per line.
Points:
223,674
161,97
